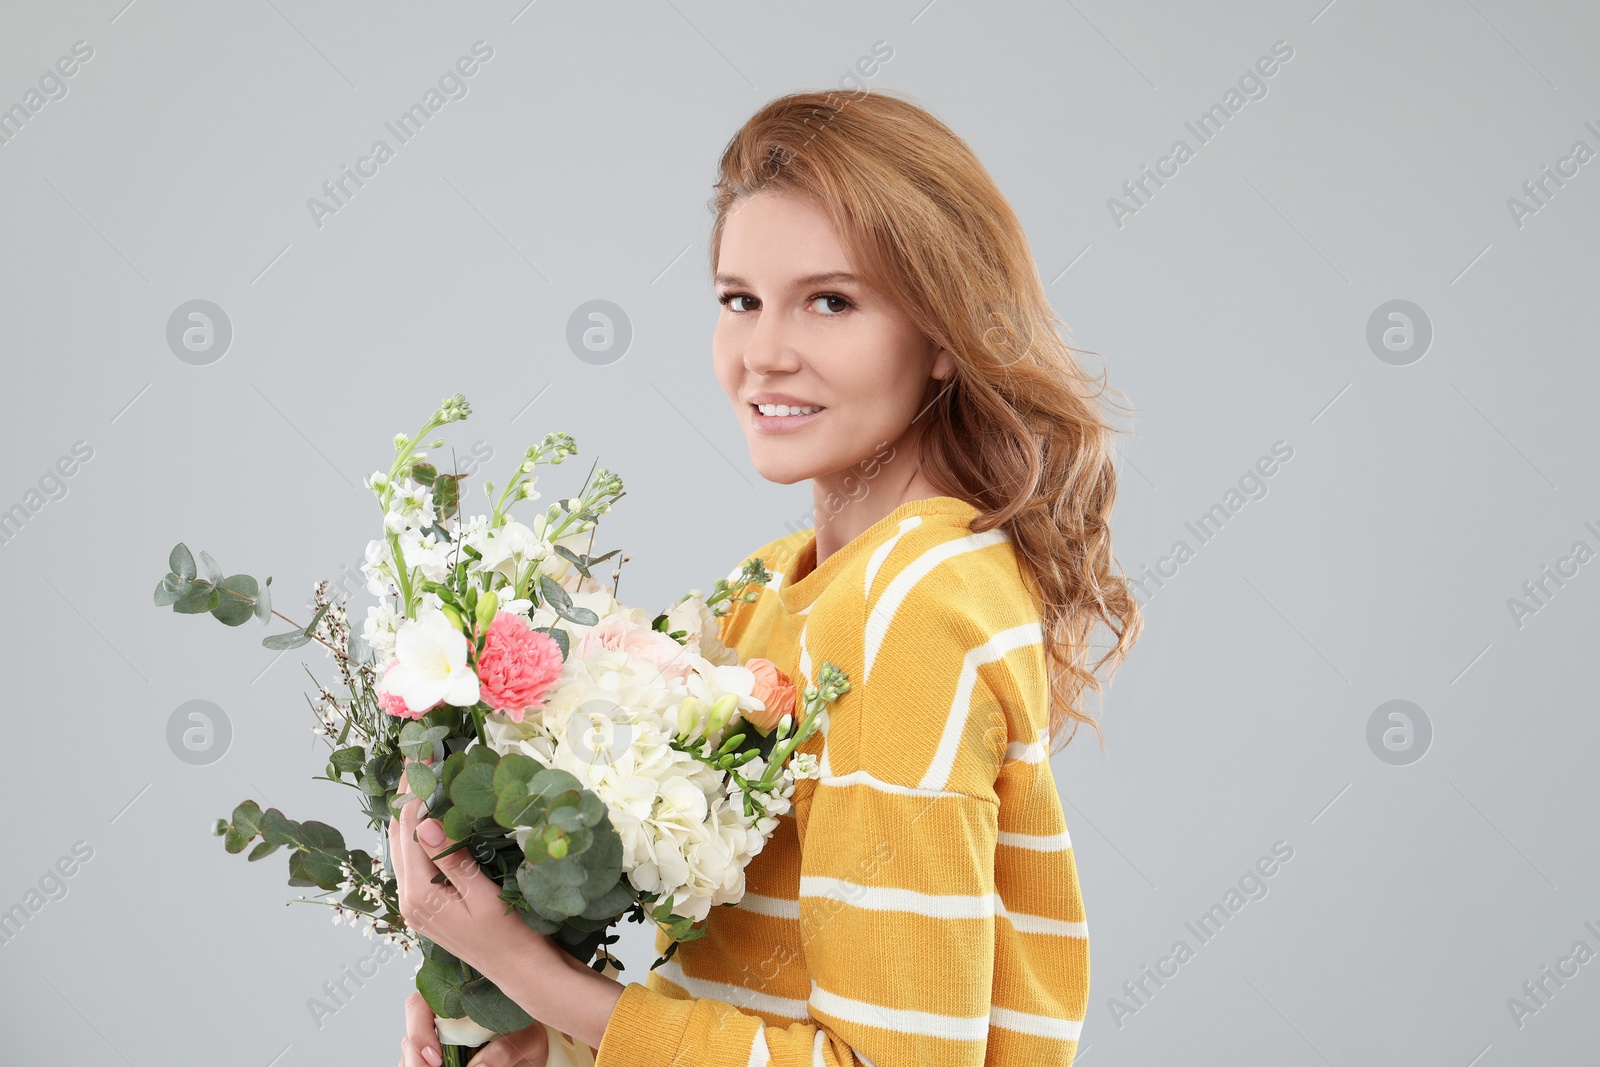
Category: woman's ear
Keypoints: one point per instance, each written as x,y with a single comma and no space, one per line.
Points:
944,364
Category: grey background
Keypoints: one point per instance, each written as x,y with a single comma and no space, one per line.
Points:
1231,310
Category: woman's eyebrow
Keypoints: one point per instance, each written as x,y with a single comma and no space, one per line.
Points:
810,279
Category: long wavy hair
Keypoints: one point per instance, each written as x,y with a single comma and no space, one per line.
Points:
1018,429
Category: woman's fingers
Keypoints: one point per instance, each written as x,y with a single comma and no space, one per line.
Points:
420,1048
525,1048
413,870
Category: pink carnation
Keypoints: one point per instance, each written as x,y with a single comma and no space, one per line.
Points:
394,703
517,666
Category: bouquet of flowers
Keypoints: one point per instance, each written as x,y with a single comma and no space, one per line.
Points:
599,762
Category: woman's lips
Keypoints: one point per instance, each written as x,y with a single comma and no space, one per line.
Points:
781,423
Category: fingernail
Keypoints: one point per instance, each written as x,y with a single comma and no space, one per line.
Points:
430,1054
432,834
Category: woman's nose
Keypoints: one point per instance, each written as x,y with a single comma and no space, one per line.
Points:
770,349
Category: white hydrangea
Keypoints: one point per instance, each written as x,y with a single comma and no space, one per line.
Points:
609,722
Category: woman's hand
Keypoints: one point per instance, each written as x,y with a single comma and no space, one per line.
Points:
420,1046
463,914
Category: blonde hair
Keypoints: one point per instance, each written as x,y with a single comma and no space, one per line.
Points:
1016,429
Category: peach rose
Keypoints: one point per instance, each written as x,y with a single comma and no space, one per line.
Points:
773,690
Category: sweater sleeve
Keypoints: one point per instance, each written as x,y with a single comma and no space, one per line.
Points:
897,886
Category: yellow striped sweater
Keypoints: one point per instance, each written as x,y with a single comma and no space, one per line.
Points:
920,905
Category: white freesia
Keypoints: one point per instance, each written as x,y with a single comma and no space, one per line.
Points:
432,665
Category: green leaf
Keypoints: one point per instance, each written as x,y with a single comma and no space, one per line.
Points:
247,817
416,739
180,562
197,600
483,754
567,817
281,642
209,569
458,825
421,779
297,870
513,773
440,985
453,765
265,848
231,610
552,782
561,639
473,790
170,589
488,1007
554,595
511,811
611,904
359,901
320,835
349,760
554,884
275,827
603,861
581,616
264,601
424,473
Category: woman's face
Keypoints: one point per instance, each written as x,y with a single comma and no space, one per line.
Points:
796,328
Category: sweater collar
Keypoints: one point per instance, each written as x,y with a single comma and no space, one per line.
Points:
805,581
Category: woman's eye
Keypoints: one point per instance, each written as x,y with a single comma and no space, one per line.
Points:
828,299
728,302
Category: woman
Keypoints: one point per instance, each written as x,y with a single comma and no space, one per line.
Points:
884,334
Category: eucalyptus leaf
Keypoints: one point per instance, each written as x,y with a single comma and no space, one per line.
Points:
513,772
196,600
552,782
265,848
283,642
264,601
236,605
180,561
554,883
168,591
209,569
473,790
440,985
512,811
554,595
421,779
458,825
488,1007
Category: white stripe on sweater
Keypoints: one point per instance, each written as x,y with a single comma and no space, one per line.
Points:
1037,842
936,905
760,1054
902,1020
937,775
777,907
863,777
737,995
883,611
881,553
1036,1025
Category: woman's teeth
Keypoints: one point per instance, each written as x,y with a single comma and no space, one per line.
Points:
784,409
